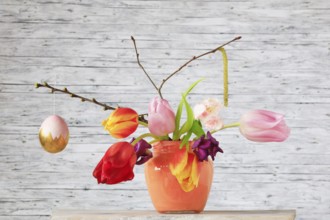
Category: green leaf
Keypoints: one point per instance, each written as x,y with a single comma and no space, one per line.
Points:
177,121
188,137
190,114
197,129
185,140
190,117
192,86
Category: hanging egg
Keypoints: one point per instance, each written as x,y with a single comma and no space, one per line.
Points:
54,134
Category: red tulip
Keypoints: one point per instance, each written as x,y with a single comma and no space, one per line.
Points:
122,122
264,126
117,164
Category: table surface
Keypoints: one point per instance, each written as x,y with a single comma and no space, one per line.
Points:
219,215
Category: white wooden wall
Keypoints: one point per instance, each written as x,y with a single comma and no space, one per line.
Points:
281,64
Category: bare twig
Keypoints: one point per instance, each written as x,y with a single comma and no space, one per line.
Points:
180,68
192,59
83,99
73,95
145,72
141,118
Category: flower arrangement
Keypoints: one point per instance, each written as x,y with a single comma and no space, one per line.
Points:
197,144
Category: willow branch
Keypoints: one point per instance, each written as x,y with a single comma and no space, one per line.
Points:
142,119
73,95
145,72
195,58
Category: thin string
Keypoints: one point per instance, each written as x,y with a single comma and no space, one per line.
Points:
54,95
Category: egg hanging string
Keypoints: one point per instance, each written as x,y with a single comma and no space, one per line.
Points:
54,95
54,132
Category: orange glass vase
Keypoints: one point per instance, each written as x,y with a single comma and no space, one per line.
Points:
164,189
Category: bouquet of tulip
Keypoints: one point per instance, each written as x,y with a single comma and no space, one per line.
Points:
197,144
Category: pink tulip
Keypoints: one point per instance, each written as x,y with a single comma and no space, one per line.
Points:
264,126
161,118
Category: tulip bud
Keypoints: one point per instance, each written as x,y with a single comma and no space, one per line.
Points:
122,122
264,126
142,150
161,118
206,146
116,165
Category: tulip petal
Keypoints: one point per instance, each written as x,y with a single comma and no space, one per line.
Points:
200,111
267,136
195,171
115,175
123,129
202,154
123,114
262,119
116,165
160,125
164,107
161,118
153,105
179,162
188,178
121,123
204,147
198,142
119,153
264,126
142,151
184,166
185,173
98,171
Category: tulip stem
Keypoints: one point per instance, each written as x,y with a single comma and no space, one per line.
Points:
195,58
143,123
73,95
154,141
144,136
232,125
145,72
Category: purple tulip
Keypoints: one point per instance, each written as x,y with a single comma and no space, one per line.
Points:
204,147
264,126
143,154
161,118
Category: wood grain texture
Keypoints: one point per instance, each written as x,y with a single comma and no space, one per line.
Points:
282,63
208,215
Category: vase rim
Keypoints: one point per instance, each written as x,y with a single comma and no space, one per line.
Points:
167,146
165,141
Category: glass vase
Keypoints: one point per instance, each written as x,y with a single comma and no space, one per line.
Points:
165,191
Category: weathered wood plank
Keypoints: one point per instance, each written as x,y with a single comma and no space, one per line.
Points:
281,63
208,215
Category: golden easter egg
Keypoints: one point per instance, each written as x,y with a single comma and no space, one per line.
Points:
54,134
